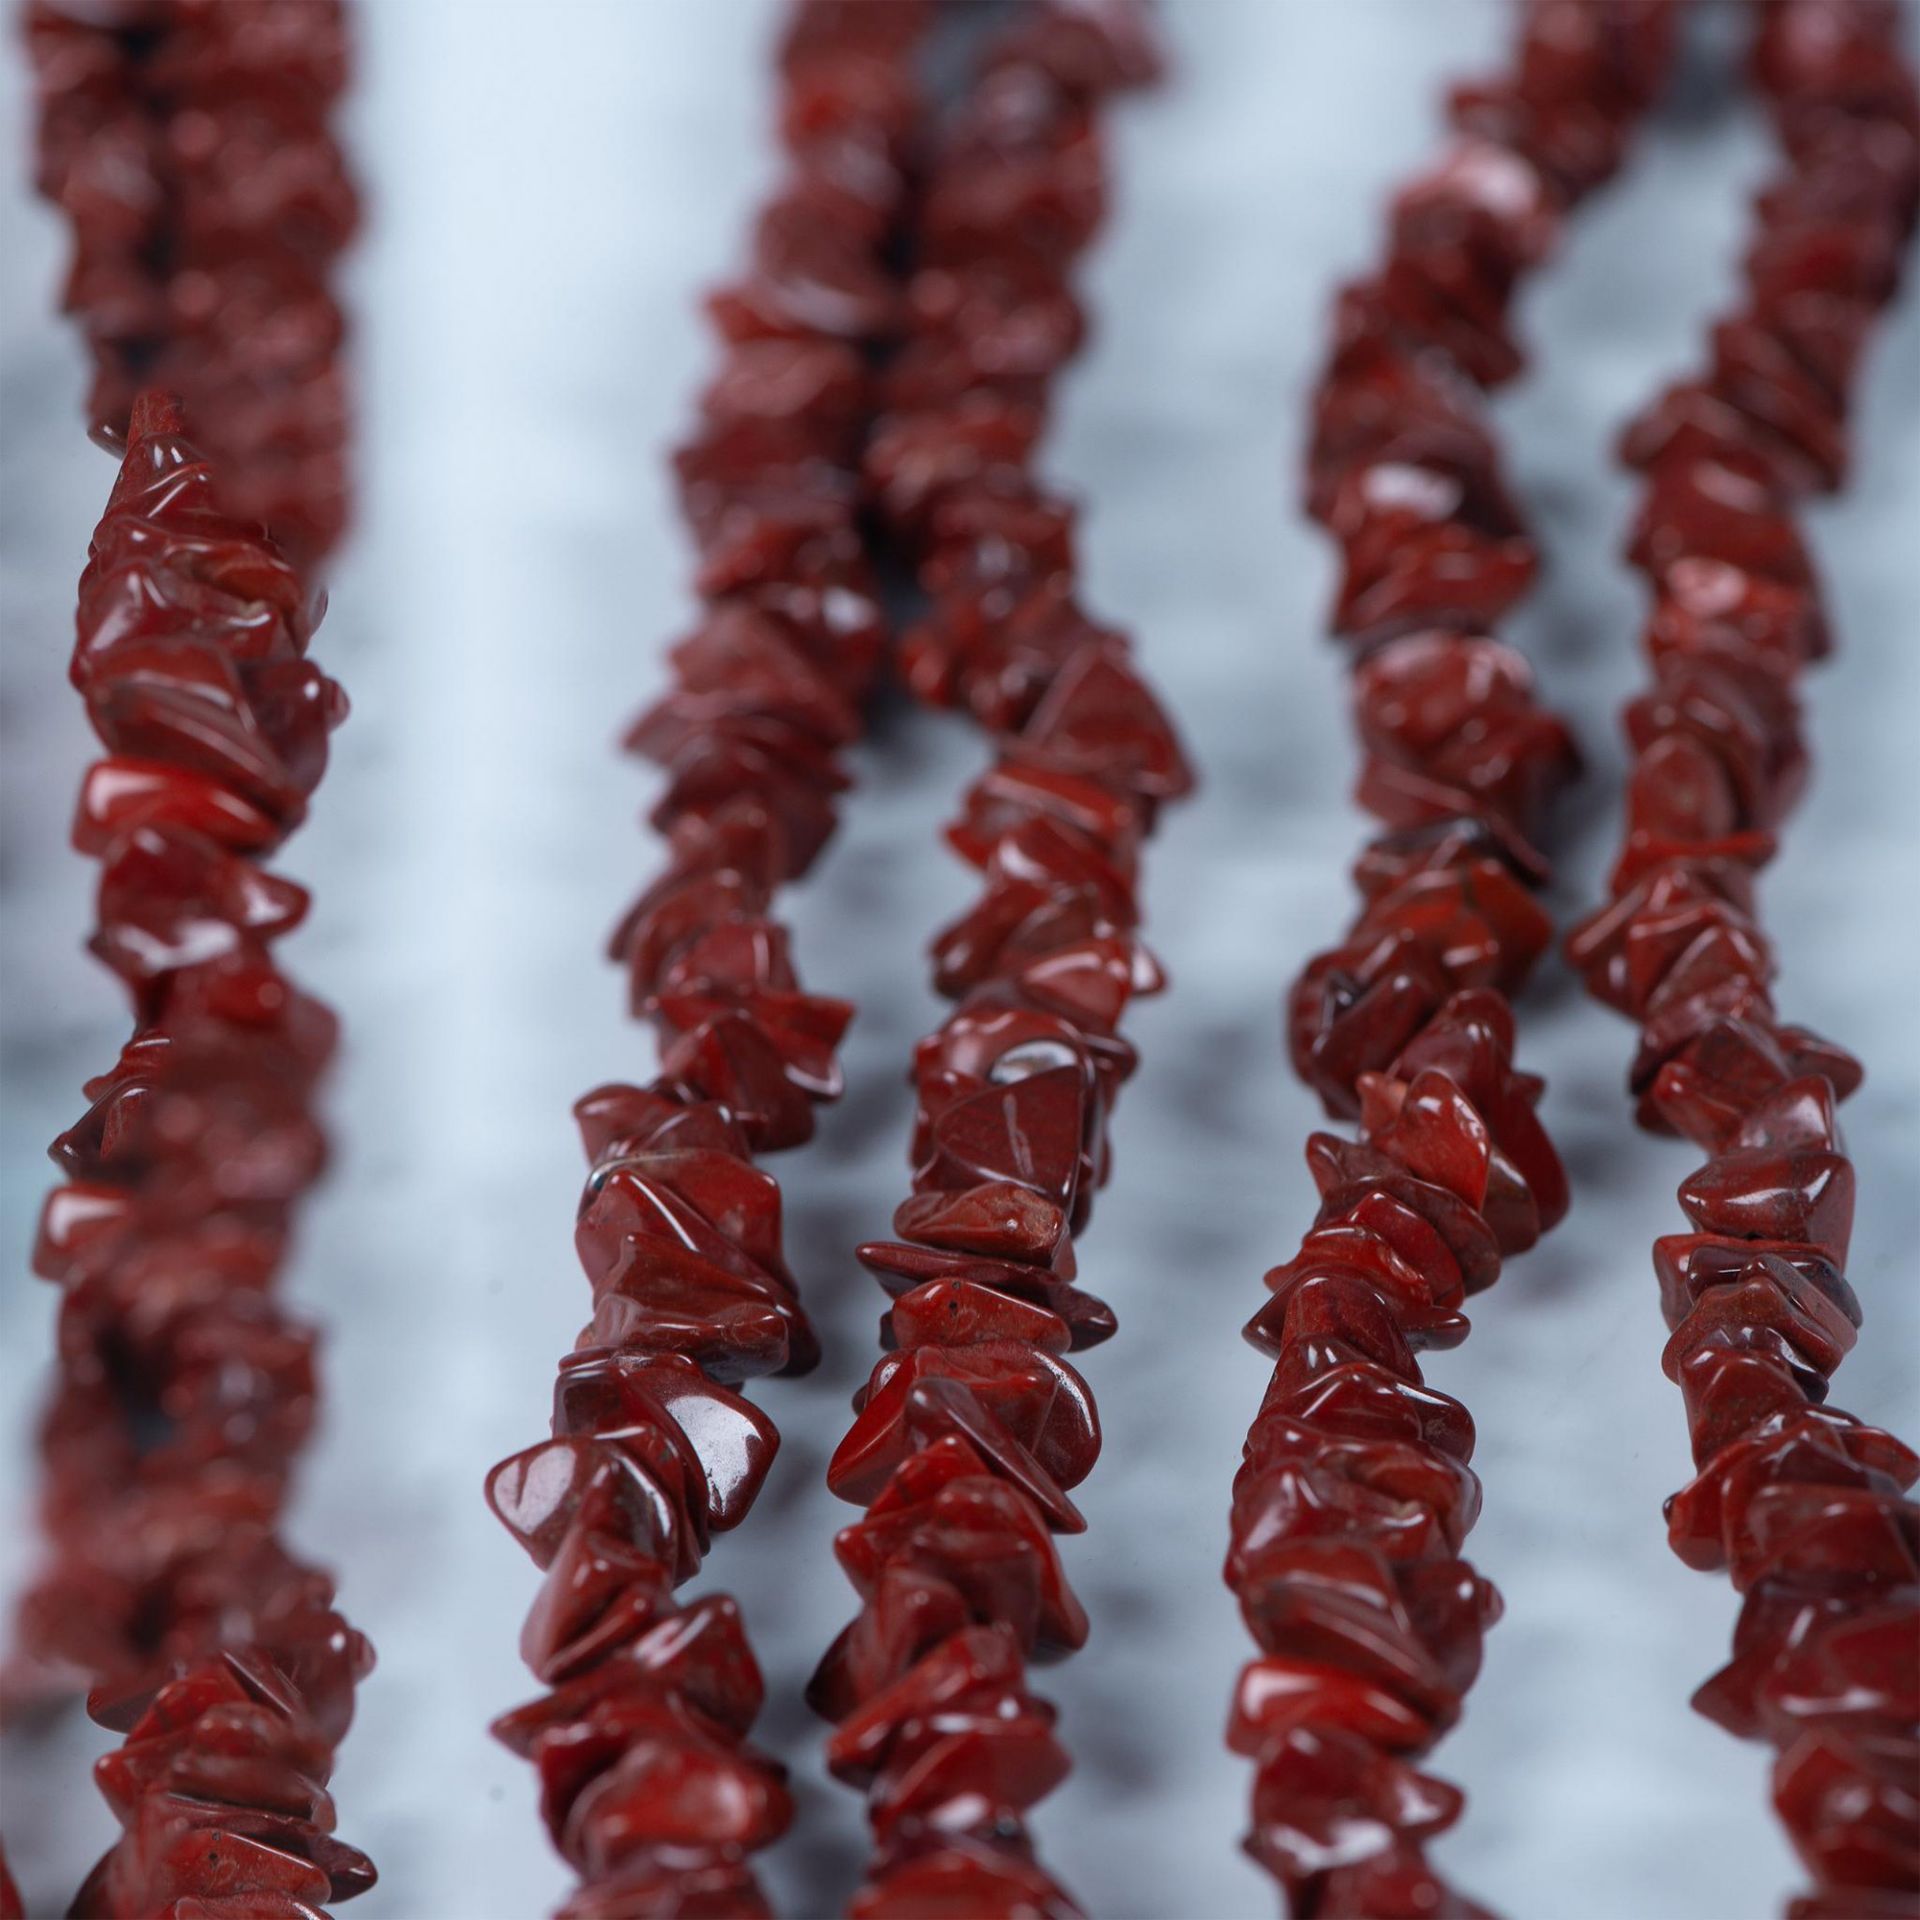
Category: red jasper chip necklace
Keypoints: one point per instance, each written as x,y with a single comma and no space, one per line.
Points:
649,1787
975,1425
1355,1494
185,1390
1801,1504
887,367
188,145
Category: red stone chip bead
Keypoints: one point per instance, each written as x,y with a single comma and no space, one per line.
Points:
1356,1492
188,143
1803,1506
185,1390
977,1423
648,1783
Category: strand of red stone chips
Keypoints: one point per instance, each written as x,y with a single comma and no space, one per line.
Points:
185,1390
974,1425
1356,1494
648,1785
189,144
1800,1503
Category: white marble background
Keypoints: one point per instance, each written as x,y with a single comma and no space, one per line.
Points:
550,188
